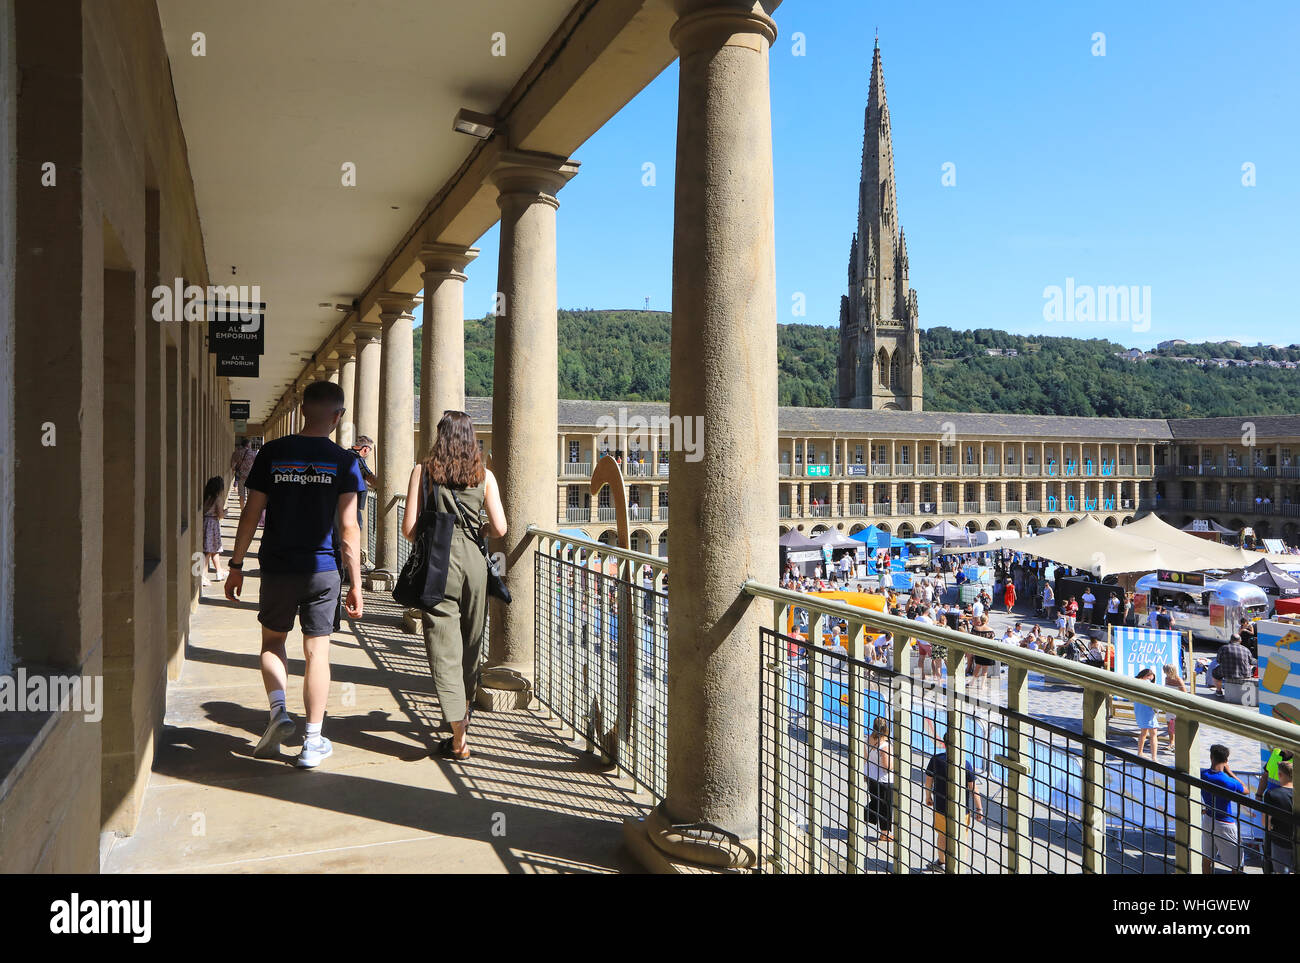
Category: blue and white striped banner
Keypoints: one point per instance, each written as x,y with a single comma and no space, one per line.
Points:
1138,648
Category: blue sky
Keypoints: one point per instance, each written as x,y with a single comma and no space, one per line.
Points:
1122,169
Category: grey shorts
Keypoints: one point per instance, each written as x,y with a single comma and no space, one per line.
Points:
1221,841
1280,854
313,597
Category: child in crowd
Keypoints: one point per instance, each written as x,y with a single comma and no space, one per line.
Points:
214,510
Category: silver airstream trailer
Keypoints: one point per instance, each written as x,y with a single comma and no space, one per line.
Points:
1209,608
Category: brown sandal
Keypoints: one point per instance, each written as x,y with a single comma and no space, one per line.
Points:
447,752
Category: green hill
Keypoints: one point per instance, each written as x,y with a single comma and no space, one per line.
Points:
623,355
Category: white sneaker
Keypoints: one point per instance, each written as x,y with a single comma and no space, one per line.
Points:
314,753
206,580
280,728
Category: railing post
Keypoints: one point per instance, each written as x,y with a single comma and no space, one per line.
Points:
1093,791
902,684
781,733
1188,842
954,696
813,729
855,724
629,629
1017,803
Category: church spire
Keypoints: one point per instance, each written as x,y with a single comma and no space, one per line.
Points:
880,311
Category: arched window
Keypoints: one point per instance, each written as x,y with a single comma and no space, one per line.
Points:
895,378
884,366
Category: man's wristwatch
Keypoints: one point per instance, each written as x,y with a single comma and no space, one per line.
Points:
237,566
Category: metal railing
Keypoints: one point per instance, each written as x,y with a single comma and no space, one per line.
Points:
372,506
1026,795
1050,799
575,469
403,546
601,650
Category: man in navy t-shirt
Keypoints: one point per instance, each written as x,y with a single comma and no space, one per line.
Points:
937,787
307,485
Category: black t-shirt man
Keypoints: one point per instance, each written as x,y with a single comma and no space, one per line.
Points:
937,770
1280,828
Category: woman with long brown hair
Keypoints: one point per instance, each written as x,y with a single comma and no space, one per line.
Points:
453,630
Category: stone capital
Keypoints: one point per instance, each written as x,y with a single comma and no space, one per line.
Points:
705,25
531,177
394,305
365,332
445,261
328,366
345,352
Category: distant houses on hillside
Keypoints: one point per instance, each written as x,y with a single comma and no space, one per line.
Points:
1137,354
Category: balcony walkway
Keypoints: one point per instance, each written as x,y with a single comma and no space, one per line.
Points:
529,801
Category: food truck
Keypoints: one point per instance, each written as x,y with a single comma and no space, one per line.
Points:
1207,607
917,552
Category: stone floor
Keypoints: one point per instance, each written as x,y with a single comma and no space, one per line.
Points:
529,801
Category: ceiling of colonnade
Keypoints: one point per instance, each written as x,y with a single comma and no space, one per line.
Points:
289,91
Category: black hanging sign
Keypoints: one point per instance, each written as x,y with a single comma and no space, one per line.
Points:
237,329
238,365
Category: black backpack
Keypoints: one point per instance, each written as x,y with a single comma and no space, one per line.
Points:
422,583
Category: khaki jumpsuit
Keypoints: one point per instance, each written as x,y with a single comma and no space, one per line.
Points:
453,632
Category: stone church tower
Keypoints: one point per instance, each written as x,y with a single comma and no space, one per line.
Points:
880,346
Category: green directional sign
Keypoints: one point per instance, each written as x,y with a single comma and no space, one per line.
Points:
819,471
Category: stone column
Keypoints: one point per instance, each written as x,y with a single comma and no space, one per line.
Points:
525,414
328,371
442,357
366,377
724,364
346,432
395,453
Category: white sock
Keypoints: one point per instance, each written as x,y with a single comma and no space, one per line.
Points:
277,699
313,733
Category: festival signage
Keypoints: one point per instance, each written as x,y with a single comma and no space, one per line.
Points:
1181,578
235,329
238,365
1138,648
855,471
1218,615
810,555
819,471
1279,674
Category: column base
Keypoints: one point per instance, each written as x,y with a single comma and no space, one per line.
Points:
502,688
379,580
661,847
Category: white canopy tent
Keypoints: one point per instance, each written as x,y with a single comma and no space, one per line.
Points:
1090,546
1165,535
